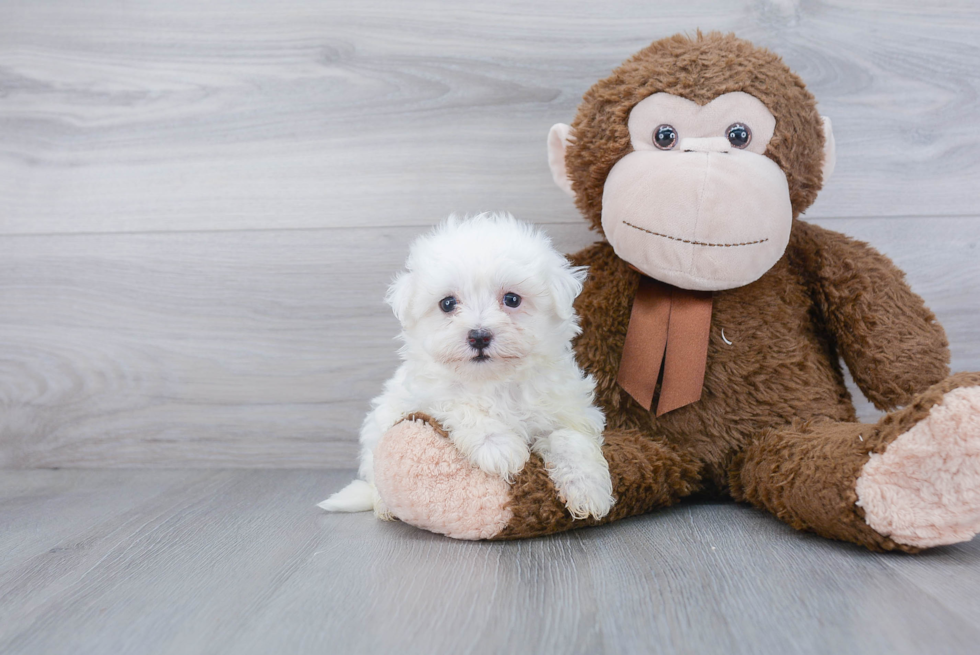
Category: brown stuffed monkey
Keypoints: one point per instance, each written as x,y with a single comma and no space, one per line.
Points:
714,322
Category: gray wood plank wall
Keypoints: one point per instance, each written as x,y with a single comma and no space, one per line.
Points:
201,204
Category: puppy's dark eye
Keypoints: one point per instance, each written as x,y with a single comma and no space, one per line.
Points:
739,135
664,137
447,304
512,299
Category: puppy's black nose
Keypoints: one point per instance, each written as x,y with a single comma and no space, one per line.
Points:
480,339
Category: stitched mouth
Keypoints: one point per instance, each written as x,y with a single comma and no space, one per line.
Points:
480,358
694,243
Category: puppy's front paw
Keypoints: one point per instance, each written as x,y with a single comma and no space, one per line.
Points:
501,454
586,496
580,472
585,493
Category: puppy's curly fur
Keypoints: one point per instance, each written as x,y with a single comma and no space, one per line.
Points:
486,307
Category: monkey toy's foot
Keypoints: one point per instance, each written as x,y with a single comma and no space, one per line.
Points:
426,482
924,489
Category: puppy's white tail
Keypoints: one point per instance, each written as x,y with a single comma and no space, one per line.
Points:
355,497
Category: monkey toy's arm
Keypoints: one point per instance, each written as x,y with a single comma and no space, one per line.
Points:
888,338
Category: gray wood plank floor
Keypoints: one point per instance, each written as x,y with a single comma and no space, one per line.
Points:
242,562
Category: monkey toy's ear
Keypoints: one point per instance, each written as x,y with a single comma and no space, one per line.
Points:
558,140
829,149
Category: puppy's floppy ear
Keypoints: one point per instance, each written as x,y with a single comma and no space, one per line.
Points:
399,296
566,284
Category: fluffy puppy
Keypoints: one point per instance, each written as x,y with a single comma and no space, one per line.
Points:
487,321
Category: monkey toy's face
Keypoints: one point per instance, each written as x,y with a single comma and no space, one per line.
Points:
693,199
696,204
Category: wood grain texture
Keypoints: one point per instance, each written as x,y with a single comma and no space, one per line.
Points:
263,348
200,207
172,116
242,562
196,349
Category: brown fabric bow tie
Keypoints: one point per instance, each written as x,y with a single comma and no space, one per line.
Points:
668,326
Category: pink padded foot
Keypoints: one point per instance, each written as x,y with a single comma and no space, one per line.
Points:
425,482
924,490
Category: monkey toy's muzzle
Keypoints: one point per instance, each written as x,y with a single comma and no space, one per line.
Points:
703,216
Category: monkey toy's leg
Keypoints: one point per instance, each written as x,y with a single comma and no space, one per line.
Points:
909,482
425,482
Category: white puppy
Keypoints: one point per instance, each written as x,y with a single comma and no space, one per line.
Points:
487,322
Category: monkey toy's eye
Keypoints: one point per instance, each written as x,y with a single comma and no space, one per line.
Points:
447,304
739,135
664,137
512,299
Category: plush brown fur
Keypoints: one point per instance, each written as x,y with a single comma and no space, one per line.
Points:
647,474
699,69
805,474
775,425
774,406
774,402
